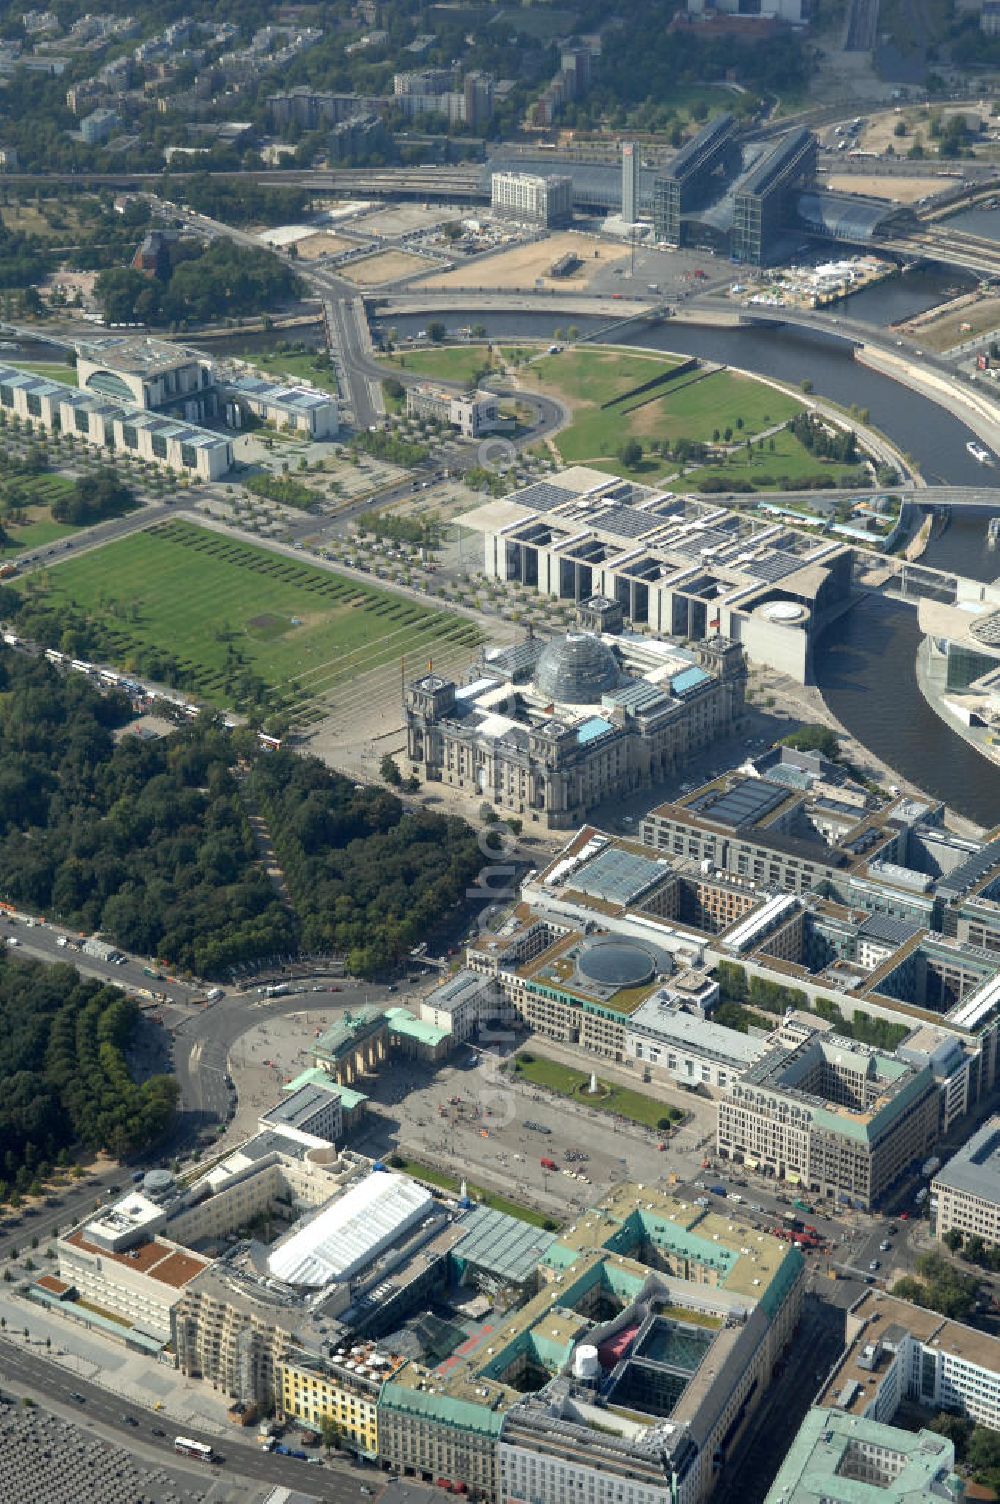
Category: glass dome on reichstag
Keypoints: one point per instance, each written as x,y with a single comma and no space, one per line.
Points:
577,669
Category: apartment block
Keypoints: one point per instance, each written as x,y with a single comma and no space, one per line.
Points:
529,199
96,127
897,1351
965,1193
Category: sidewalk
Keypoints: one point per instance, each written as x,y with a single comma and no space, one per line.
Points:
99,1359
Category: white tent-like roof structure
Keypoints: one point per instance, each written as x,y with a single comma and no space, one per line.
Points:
351,1231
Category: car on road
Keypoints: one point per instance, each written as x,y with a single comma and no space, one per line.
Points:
129,1420
157,1431
80,1398
875,1264
884,1246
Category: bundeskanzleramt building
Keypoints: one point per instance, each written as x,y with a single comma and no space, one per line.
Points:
965,1194
532,200
301,409
822,1112
150,373
108,424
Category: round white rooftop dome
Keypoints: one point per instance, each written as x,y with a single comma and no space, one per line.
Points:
784,611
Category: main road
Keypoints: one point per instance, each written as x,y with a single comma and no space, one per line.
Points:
52,1385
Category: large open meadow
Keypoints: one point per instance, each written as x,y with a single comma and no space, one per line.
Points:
458,363
700,405
305,631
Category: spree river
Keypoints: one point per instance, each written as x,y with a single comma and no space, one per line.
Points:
866,663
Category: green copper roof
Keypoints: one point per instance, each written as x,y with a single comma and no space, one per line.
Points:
462,1414
317,1076
402,1021
348,1029
831,1456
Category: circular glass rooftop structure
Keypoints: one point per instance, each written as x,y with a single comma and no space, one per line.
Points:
987,629
577,669
617,963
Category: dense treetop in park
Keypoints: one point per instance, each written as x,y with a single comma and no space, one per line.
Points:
366,877
146,841
93,498
149,842
202,283
63,1076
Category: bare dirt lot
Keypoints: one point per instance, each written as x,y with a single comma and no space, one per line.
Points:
322,244
402,219
384,266
904,190
961,323
526,265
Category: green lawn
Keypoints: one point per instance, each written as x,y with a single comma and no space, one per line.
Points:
487,1198
35,533
619,1100
303,630
594,375
458,363
694,408
790,459
718,401
39,528
295,368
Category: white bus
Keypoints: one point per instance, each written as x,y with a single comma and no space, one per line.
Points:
191,1448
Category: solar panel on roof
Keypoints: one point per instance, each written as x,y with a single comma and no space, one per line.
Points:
745,803
542,496
975,866
773,567
695,545
639,695
627,522
886,927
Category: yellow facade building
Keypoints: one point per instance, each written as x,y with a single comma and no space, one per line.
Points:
343,1389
